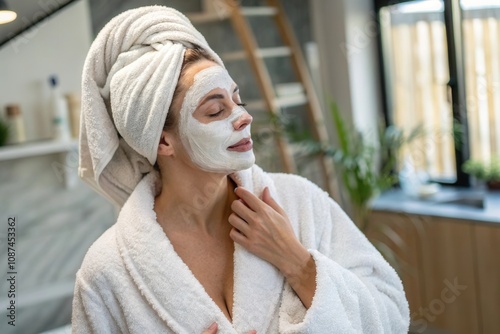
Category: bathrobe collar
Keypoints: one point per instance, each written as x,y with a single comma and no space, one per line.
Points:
168,284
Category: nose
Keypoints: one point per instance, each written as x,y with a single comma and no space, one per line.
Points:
242,121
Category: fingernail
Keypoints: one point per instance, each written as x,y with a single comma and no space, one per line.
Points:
213,326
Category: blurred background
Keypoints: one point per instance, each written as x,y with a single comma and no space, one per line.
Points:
391,106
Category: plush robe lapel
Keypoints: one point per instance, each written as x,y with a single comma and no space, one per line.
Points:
170,287
132,281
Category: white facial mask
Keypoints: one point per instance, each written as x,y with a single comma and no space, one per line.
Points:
207,143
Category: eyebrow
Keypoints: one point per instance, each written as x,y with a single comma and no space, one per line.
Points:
217,96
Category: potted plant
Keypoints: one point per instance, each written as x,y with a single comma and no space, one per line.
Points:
365,168
481,171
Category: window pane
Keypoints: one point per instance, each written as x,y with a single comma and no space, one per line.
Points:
416,63
481,29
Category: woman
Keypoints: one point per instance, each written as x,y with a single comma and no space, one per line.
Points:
207,242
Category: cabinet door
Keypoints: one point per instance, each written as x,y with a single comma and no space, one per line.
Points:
408,232
448,269
487,239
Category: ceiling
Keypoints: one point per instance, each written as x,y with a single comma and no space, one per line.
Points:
29,12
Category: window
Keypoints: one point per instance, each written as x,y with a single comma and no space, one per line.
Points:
441,63
481,34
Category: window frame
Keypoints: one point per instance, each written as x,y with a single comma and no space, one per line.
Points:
454,36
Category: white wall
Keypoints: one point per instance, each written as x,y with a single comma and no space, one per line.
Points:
346,35
362,54
55,225
329,32
57,46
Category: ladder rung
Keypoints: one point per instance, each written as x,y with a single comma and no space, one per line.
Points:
291,101
255,105
207,17
280,51
281,102
289,88
199,18
236,55
259,11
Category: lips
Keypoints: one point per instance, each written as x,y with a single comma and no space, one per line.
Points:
242,146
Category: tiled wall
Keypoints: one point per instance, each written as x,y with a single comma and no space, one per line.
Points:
54,228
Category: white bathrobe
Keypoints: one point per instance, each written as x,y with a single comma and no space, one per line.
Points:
132,280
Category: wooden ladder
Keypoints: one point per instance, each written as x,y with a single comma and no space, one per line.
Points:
230,9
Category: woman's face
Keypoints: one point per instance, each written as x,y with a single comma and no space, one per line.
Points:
214,127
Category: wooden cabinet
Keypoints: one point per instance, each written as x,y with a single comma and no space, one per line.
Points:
407,256
487,245
449,295
450,270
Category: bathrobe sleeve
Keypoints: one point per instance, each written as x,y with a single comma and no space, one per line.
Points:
90,314
357,291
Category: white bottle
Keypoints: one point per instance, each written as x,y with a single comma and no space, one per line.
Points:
59,110
73,102
408,178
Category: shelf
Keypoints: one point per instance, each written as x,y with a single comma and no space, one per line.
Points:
291,101
286,101
259,11
224,14
280,51
32,149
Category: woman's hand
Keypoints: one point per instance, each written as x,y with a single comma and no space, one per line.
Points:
213,330
262,227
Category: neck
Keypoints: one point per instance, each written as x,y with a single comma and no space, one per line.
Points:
194,199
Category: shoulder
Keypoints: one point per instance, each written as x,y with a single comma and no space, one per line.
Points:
101,260
316,210
291,185
308,206
292,179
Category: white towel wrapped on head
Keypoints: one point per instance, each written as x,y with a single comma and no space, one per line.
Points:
129,78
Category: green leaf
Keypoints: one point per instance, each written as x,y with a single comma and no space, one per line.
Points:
340,128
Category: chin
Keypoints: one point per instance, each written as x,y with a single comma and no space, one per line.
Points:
245,163
234,164
244,166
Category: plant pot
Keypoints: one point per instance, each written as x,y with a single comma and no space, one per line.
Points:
493,185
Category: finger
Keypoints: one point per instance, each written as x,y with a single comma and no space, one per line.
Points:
238,237
252,332
212,329
243,211
252,201
239,224
266,198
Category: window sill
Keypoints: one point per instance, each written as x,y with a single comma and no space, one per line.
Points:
443,204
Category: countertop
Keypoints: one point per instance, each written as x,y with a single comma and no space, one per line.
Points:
444,204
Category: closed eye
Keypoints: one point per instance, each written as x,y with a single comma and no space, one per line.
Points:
220,111
216,114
